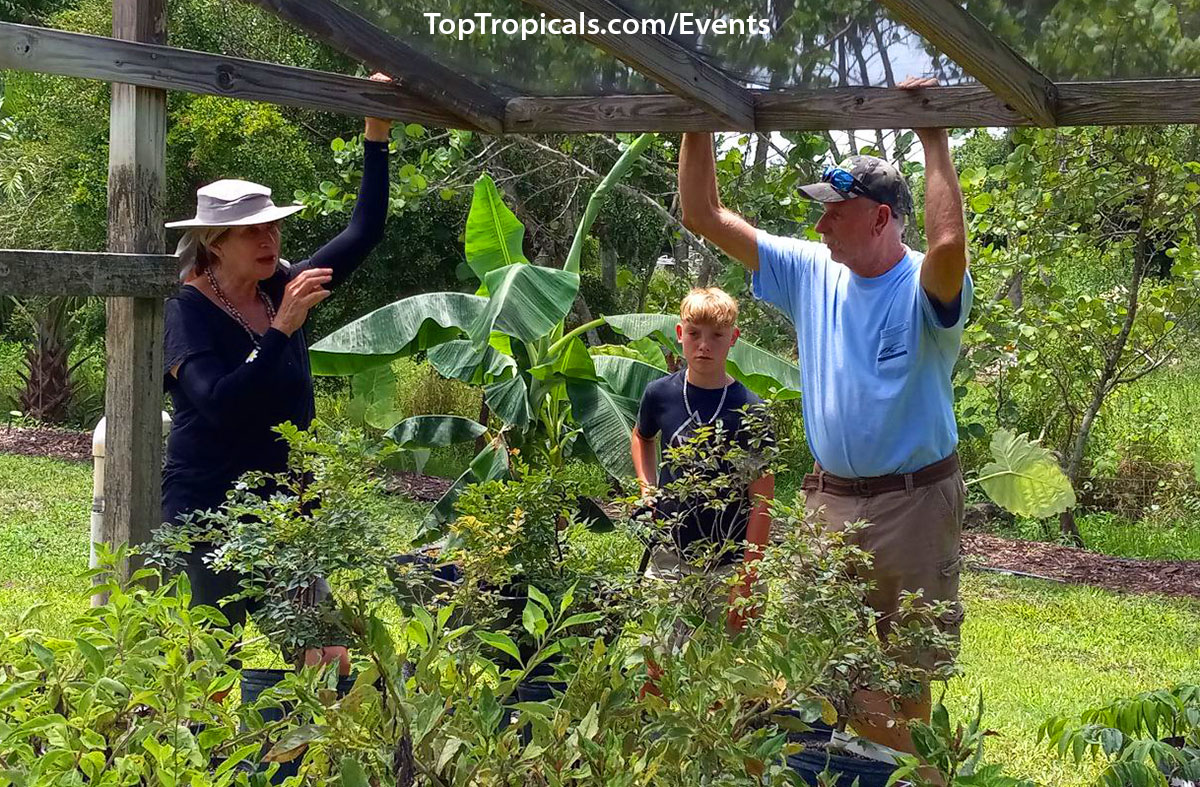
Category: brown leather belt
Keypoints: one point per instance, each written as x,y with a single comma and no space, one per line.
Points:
821,481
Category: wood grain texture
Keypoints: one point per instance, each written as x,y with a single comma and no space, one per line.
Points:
968,42
476,107
1146,102
48,51
100,274
784,110
677,69
134,350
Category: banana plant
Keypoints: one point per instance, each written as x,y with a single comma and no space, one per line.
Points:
548,395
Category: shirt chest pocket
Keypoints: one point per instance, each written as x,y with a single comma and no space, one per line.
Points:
892,356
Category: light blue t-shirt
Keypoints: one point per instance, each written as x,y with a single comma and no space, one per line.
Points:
875,358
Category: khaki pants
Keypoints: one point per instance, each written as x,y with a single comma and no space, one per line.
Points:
915,537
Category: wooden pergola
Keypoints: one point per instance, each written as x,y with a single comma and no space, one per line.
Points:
136,274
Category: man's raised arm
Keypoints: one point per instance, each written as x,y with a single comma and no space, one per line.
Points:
700,204
945,226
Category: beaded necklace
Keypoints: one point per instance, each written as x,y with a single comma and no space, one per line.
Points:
237,315
695,415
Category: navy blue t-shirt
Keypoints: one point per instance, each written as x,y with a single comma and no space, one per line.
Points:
227,403
662,412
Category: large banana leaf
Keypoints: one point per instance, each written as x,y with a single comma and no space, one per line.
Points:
759,370
526,301
608,410
607,419
1025,478
624,163
490,464
494,234
509,399
432,431
626,376
763,372
400,328
460,359
573,363
636,326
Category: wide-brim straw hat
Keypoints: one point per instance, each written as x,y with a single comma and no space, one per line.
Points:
234,203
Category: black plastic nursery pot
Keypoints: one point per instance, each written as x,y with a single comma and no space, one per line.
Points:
818,757
254,683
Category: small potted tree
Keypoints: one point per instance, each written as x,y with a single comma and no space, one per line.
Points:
289,537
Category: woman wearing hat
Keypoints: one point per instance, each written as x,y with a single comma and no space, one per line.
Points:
236,362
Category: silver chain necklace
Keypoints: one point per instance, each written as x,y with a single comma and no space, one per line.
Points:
693,415
237,315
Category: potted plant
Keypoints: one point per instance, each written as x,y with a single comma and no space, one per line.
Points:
289,537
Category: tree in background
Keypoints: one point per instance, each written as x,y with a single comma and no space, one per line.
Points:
1088,276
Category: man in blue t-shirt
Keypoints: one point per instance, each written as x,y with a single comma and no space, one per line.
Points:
878,329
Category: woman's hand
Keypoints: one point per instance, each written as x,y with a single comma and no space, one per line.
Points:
301,294
379,129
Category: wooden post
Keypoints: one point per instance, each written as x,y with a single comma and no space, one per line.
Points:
136,190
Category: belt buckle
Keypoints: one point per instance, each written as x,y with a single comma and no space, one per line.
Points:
861,487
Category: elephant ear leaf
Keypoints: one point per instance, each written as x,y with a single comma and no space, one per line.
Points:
1024,478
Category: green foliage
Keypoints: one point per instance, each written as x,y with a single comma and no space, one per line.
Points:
518,530
1146,740
216,138
539,382
1024,478
1085,272
128,699
955,754
286,533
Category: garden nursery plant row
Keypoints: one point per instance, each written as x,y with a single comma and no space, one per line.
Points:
505,642
505,655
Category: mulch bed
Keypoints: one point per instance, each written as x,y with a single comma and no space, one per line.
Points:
1081,567
1026,558
46,441
414,486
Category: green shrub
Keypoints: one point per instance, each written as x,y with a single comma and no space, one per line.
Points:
127,700
1147,740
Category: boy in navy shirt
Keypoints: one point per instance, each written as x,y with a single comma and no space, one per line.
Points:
702,395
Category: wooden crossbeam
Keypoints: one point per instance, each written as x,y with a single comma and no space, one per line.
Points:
1117,102
784,110
676,68
968,42
75,273
475,107
26,48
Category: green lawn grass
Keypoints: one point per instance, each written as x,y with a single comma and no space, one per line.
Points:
1035,649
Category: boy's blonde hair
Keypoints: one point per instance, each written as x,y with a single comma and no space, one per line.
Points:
709,306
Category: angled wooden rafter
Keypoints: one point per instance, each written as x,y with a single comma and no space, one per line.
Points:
58,52
676,68
475,106
968,42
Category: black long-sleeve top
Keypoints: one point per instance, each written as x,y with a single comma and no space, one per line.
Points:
227,403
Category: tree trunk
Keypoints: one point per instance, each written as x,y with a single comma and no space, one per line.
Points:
1104,384
608,266
49,387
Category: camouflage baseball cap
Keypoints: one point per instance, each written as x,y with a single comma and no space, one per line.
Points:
872,177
